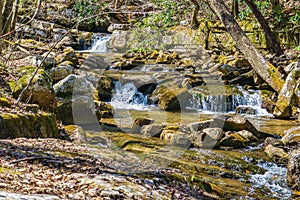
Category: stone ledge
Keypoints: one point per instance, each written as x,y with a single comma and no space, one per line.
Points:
28,125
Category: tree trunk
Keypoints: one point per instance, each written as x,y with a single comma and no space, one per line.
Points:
265,70
272,43
1,14
235,8
8,15
195,23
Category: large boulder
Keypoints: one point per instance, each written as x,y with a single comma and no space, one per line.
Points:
283,108
194,127
145,84
172,96
75,85
40,90
293,169
238,123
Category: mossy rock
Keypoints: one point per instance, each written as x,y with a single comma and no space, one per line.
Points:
4,102
234,140
41,125
39,92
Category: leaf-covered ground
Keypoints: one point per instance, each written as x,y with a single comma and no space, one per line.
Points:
67,171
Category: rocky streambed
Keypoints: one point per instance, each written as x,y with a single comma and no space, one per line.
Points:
161,125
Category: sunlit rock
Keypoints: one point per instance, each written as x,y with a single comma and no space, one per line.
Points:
276,154
234,140
207,138
39,92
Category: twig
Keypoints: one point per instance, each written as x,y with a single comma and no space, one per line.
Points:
34,15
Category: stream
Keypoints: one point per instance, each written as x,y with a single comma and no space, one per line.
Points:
235,173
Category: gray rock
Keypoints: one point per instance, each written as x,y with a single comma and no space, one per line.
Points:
152,130
60,72
138,123
292,135
45,62
176,138
75,85
198,126
207,138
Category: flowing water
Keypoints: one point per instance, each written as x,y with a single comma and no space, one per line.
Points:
99,43
130,104
128,97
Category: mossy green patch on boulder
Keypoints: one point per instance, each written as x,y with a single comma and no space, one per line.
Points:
28,125
39,92
234,140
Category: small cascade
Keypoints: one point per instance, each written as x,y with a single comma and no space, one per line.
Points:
128,97
247,100
273,181
99,42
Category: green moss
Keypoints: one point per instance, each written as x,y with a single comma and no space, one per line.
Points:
4,102
275,76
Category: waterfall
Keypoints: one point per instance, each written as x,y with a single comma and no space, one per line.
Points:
249,100
99,42
128,97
